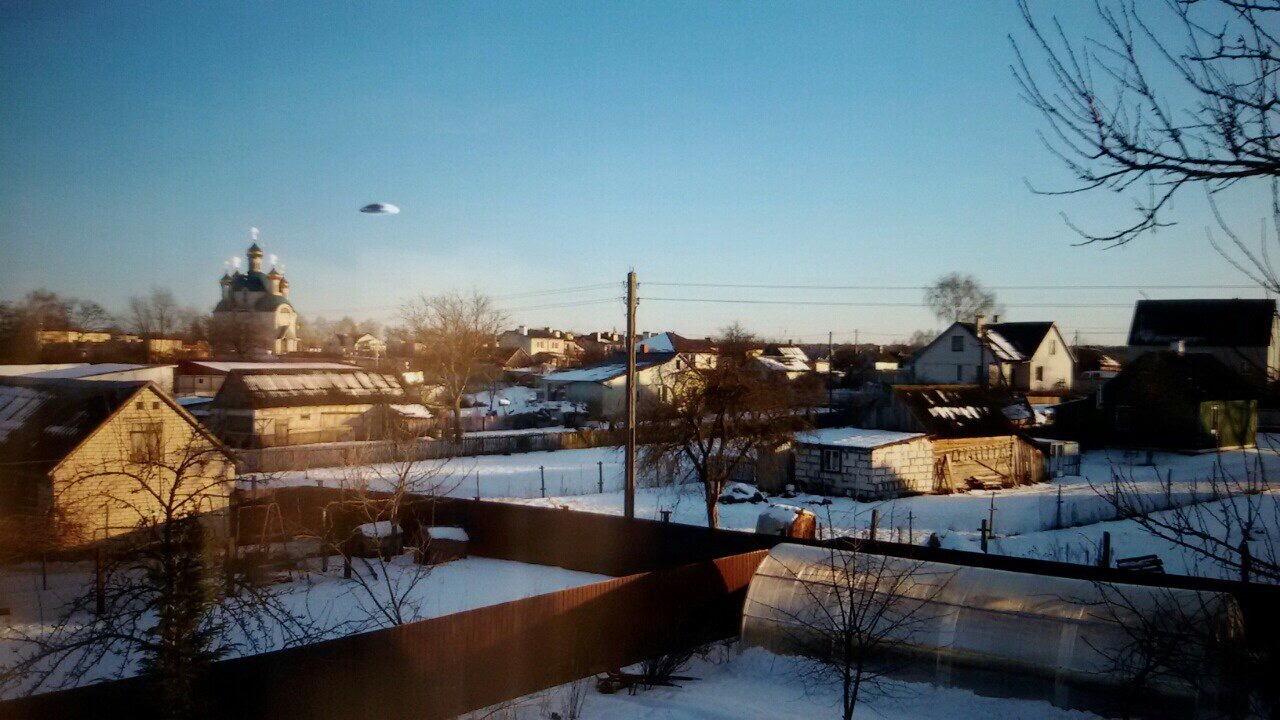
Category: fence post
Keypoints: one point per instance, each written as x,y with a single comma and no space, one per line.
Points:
911,528
346,566
875,520
984,531
600,482
1057,523
44,571
1246,561
477,484
542,474
1104,555
229,568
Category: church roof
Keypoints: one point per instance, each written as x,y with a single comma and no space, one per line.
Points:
255,250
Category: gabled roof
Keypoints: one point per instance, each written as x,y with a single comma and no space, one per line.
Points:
91,370
219,367
1012,341
42,420
671,342
611,368
286,387
960,410
1203,323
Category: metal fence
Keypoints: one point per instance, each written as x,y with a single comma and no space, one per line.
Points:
445,666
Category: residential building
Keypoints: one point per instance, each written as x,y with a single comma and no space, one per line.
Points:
203,378
255,305
602,386
1031,357
92,457
786,360
284,405
1178,401
697,353
539,340
1243,334
364,345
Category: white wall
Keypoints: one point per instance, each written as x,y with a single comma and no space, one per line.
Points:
937,364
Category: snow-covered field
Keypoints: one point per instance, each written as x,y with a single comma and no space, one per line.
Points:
1062,519
756,684
336,606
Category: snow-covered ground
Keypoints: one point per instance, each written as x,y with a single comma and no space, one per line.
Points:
515,400
335,605
757,684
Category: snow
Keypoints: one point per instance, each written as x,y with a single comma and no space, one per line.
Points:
337,604
855,437
783,514
757,684
456,534
379,529
515,400
661,343
94,370
17,404
1003,347
413,411
226,367
595,373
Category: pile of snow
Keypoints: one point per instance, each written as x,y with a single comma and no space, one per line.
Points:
379,529
455,534
736,492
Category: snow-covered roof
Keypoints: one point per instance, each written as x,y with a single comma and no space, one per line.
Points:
413,410
671,342
447,533
17,405
851,437
785,363
92,370
194,367
614,367
293,387
11,370
1002,348
379,529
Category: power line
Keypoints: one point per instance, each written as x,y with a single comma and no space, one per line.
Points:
570,303
838,303
752,286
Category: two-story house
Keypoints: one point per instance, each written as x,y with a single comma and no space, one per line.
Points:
535,341
1024,356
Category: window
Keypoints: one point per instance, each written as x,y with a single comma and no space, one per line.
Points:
1053,347
139,405
155,405
830,461
957,343
144,443
1215,418
1040,373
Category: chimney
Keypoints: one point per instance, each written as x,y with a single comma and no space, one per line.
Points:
523,330
995,319
1179,346
978,324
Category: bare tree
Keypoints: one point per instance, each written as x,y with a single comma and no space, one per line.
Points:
89,316
386,508
1169,95
957,297
458,331
155,315
859,617
238,334
159,604
716,418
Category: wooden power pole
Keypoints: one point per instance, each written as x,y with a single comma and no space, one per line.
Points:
629,491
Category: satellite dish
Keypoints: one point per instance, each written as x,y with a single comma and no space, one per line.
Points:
380,209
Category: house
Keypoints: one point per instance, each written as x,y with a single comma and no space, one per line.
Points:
1031,357
1094,367
697,353
86,459
865,464
784,360
1177,401
602,387
601,344
364,345
534,341
161,375
204,378
286,405
1243,334
255,308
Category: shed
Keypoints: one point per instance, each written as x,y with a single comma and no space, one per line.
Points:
862,463
442,544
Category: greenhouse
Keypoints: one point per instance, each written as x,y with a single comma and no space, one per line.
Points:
1073,642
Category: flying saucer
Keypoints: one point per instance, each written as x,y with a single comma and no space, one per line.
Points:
380,209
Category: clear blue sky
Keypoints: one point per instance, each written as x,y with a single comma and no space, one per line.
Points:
534,146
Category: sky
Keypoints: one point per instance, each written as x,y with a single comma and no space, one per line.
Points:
539,151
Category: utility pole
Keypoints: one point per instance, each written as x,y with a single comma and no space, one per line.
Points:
831,366
629,491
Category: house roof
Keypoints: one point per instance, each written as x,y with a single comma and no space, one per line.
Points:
851,437
91,370
1194,375
960,410
1012,341
43,419
218,367
783,363
611,368
289,387
671,342
1203,323
540,333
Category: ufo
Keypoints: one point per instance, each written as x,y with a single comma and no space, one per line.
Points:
380,209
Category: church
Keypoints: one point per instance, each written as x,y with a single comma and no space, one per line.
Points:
255,308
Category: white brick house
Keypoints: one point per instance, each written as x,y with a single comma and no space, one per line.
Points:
862,463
